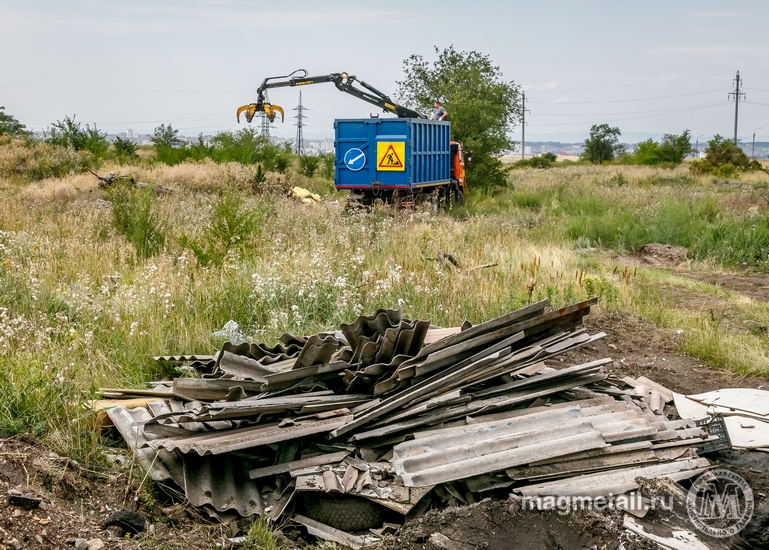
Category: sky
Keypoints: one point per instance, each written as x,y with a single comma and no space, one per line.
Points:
648,67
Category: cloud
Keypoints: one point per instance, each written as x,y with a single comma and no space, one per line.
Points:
717,14
561,99
148,19
702,50
547,86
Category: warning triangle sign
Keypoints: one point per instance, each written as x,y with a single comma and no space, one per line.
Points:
390,159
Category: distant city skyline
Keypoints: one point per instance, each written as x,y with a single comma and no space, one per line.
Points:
648,68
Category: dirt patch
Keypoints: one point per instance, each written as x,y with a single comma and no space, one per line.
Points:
74,503
753,285
661,254
639,348
505,524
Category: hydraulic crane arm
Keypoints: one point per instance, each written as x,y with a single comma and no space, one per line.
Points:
342,81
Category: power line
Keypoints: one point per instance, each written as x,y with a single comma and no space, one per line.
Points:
707,106
624,100
651,111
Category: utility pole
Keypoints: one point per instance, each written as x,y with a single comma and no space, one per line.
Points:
300,116
736,93
753,154
697,154
523,125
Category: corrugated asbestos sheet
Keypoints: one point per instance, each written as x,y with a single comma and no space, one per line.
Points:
372,411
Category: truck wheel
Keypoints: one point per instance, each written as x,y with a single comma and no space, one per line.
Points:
342,512
457,196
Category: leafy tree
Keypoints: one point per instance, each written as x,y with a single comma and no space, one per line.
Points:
308,165
125,149
166,136
482,107
169,147
675,148
327,166
603,144
70,133
647,153
672,149
9,125
723,158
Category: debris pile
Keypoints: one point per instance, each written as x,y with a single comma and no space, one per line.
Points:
397,417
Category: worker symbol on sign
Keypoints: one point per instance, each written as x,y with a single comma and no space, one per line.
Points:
390,155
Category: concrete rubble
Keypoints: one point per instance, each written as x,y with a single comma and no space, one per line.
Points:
406,416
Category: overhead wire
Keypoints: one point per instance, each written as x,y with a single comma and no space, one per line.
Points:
623,100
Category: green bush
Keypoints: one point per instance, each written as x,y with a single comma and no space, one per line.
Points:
69,133
125,150
34,160
724,158
136,216
10,126
231,225
327,166
308,165
546,160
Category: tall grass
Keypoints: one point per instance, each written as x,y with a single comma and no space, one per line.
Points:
93,282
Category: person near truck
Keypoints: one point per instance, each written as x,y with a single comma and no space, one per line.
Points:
439,113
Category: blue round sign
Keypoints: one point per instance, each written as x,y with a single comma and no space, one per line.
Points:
355,159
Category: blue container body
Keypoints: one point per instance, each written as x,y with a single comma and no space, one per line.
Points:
368,153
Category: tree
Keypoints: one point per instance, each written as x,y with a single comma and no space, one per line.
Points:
723,158
672,149
9,125
125,149
166,137
308,165
70,133
603,144
482,107
675,148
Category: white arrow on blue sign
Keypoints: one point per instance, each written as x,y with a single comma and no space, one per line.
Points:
355,159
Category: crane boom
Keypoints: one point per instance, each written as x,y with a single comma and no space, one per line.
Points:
343,82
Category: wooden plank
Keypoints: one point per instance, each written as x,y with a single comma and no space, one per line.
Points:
435,334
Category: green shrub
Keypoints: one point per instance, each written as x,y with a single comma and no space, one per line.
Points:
308,165
10,126
35,160
327,166
136,216
125,150
546,160
69,133
230,227
724,158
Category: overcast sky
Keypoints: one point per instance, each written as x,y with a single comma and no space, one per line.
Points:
648,67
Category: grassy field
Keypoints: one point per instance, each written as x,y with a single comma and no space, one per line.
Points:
94,282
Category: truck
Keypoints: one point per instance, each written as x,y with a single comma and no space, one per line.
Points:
403,160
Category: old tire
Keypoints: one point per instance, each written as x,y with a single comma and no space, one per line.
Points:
342,512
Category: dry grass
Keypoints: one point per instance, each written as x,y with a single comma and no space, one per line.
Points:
80,309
